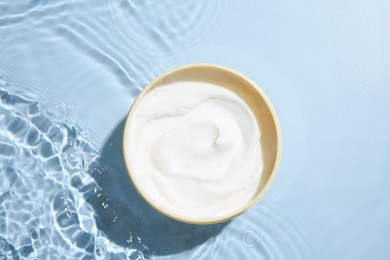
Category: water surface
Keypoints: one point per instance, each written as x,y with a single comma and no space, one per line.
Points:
70,70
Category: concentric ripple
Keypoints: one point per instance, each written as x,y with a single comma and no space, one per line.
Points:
52,205
161,26
64,30
45,187
270,231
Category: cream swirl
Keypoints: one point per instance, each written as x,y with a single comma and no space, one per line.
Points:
195,149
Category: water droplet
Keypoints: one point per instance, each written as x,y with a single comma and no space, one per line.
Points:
250,238
74,161
54,109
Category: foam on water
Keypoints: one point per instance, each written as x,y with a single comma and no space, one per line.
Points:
46,167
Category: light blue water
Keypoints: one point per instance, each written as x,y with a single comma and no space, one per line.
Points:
50,200
70,70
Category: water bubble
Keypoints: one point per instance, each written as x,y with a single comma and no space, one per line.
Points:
74,161
55,110
250,238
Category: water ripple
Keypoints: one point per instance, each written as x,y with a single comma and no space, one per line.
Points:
52,204
96,53
45,187
268,221
54,22
165,26
33,15
132,65
270,231
19,6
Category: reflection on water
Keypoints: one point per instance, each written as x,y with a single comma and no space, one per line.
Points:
61,196
45,183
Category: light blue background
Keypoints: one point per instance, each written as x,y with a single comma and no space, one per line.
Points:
324,64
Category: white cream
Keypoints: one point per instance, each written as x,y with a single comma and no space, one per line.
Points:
195,150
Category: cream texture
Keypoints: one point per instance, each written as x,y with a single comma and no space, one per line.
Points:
194,150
